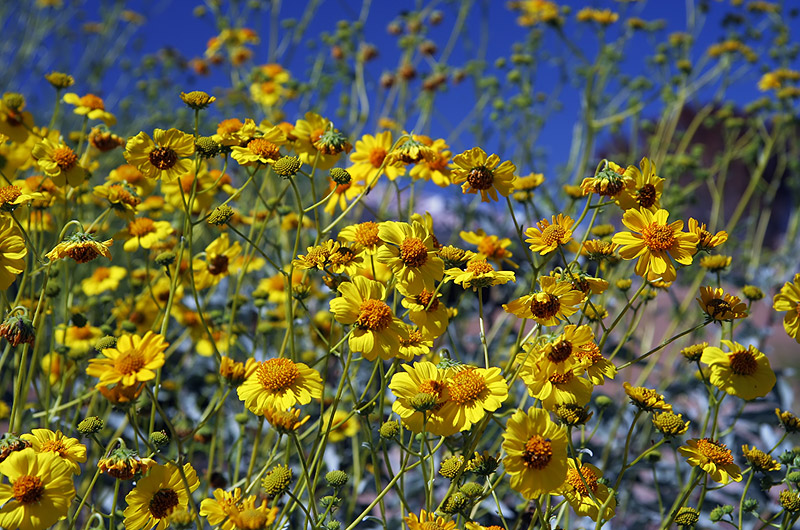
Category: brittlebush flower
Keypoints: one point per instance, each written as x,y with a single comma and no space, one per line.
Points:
421,378
472,392
369,157
90,106
280,384
490,247
547,236
103,279
59,162
712,457
124,464
427,312
218,511
646,399
69,449
479,173
742,371
759,460
131,361
82,248
585,493
146,233
557,385
12,252
705,239
556,301
411,254
654,242
39,492
646,190
158,495
478,274
264,149
428,521
536,449
788,300
720,306
165,156
436,167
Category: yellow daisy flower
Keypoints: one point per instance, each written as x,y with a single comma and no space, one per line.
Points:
580,482
427,312
369,156
557,385
420,392
478,173
411,254
414,343
39,492
12,252
547,236
712,457
128,174
131,361
720,306
598,368
364,235
436,167
121,197
124,464
345,425
217,262
428,521
157,496
280,384
12,196
252,516
342,195
759,460
646,190
609,182
264,149
705,239
653,242
146,233
81,247
742,371
556,301
472,392
536,450
645,399
69,449
59,162
103,279
313,145
165,156
563,349
490,247
788,300
90,106
478,274
80,339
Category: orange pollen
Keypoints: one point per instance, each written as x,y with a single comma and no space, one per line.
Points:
431,387
743,362
123,196
560,351
218,264
480,178
9,194
54,446
28,489
374,315
277,374
81,333
413,252
479,266
376,156
65,158
229,126
341,188
545,305
647,196
264,149
538,452
553,234
92,102
129,362
414,338
367,234
342,256
141,227
163,503
560,379
424,298
658,237
466,386
715,451
589,479
163,158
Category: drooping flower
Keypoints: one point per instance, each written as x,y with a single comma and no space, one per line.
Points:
124,464
788,300
742,371
479,173
158,495
165,156
81,247
490,247
585,493
131,361
712,457
478,274
720,306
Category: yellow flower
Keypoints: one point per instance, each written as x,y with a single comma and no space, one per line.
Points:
411,254
646,190
345,425
563,349
759,460
716,263
12,196
490,247
536,451
81,247
547,236
90,106
124,464
434,168
131,361
69,449
261,150
369,156
535,11
478,274
603,17
280,384
414,343
39,492
103,279
742,372
557,384
556,301
342,193
646,399
712,457
59,162
428,521
472,392
312,146
217,264
165,156
705,239
219,509
157,495
478,173
421,378
598,368
376,330
56,366
609,182
425,310
146,233
122,198
364,235
654,242
12,252
721,306
788,299
585,493
253,517
128,174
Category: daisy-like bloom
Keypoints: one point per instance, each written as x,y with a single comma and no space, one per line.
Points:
716,263
411,254
478,274
69,449
285,421
90,106
428,521
556,301
104,141
720,306
585,493
157,496
712,457
12,196
369,156
788,299
59,162
12,252
646,190
80,339
563,349
742,371
364,235
789,421
420,392
425,310
39,492
165,156
490,247
280,384
131,361
252,516
705,239
537,453
646,399
524,186
218,511
81,247
557,385
15,123
342,194
414,343
533,12
669,424
472,392
264,149
232,132
124,464
547,236
598,368
376,329
128,174
217,263
653,242
610,182
436,167
413,150
121,394
343,425
235,372
318,143
478,173
103,279
144,232
121,197
759,460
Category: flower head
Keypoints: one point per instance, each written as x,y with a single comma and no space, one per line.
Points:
59,162
90,106
478,274
788,300
720,306
548,236
556,301
646,399
585,493
131,361
280,383
411,254
712,457
165,156
69,449
81,247
479,173
159,494
743,371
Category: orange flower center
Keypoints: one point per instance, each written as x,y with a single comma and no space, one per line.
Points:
129,362
479,266
264,149
218,264
341,188
92,102
426,297
488,247
414,338
589,479
439,162
316,135
743,362
54,446
163,158
277,374
560,351
367,234
28,489
163,503
413,252
374,315
545,305
431,387
715,451
646,196
9,194
480,178
658,237
229,126
560,379
81,333
141,227
65,158
376,156
553,234
538,452
466,386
